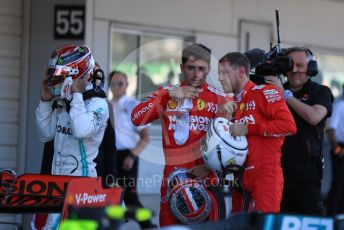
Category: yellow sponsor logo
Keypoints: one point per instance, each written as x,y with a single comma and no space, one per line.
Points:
70,199
172,104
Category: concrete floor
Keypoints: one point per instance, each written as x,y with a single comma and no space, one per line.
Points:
151,201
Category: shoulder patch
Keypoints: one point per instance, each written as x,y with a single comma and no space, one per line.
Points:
216,91
272,95
99,110
257,87
168,87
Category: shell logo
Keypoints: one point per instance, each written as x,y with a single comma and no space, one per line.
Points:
172,104
70,199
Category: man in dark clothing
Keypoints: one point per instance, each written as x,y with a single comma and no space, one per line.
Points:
302,158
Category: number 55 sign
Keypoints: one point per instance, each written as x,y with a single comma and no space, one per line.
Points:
69,22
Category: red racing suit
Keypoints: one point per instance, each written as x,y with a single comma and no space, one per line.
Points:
159,105
269,120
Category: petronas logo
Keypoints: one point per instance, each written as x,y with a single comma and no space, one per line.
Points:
82,50
59,61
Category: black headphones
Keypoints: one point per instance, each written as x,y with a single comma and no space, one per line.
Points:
98,74
312,68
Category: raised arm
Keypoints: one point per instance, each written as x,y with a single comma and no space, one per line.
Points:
87,121
280,121
148,111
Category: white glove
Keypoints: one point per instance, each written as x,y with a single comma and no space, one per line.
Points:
66,89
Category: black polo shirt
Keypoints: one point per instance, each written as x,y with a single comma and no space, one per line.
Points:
302,152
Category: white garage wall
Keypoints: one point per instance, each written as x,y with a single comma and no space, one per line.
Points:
11,78
10,73
313,22
219,45
196,15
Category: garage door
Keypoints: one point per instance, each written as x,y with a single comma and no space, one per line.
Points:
10,68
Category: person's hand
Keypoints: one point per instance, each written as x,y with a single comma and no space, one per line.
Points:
46,94
238,129
200,171
184,92
128,163
79,85
272,80
230,107
339,151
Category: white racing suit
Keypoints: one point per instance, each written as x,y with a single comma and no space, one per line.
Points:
77,135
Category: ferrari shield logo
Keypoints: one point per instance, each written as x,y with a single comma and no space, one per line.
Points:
200,104
172,104
242,107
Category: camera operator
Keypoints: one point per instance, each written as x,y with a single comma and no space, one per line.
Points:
302,158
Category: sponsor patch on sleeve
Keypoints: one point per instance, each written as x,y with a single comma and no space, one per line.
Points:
257,87
216,91
97,116
150,96
172,104
168,87
272,95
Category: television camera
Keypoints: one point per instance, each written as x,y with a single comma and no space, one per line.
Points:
275,62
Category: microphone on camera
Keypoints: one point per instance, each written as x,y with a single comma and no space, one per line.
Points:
255,56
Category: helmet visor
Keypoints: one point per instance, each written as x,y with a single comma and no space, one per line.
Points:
55,80
59,73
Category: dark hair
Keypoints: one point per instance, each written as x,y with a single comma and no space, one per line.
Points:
198,51
237,59
307,51
119,73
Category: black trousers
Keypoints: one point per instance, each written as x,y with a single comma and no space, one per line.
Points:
335,201
302,191
304,199
128,179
